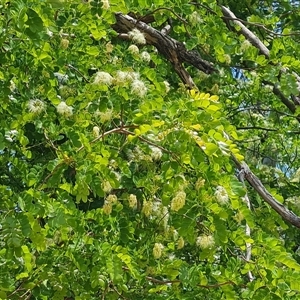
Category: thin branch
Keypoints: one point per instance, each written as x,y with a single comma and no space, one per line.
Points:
283,211
248,229
164,8
115,130
248,34
256,127
209,286
263,27
289,104
70,66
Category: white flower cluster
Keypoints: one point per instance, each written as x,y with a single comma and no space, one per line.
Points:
156,153
157,250
195,18
105,4
156,211
221,195
103,78
132,200
167,85
145,56
133,49
108,204
64,109
178,201
36,106
96,131
138,155
199,183
245,45
138,88
180,243
122,78
104,116
106,186
205,241
137,36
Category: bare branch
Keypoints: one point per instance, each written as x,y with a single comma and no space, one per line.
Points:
256,127
284,212
248,34
263,27
248,229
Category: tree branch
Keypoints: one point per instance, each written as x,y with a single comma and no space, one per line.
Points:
175,51
256,127
284,212
248,34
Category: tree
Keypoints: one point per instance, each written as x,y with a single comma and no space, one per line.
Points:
149,150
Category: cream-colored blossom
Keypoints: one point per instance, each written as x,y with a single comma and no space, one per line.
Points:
49,33
105,4
64,109
138,88
107,208
156,153
205,241
12,86
112,199
36,106
103,78
104,116
147,208
109,47
137,36
145,56
106,186
122,77
96,131
132,200
157,250
221,195
180,243
245,45
64,43
164,216
199,183
227,59
167,85
195,18
133,49
178,201
175,234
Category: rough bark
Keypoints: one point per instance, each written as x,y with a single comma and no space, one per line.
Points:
173,50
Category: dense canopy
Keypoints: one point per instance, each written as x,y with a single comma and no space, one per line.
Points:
150,149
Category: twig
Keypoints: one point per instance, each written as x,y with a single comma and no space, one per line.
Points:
70,66
209,286
248,229
115,289
263,27
256,127
165,8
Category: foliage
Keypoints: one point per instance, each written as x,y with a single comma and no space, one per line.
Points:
117,183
